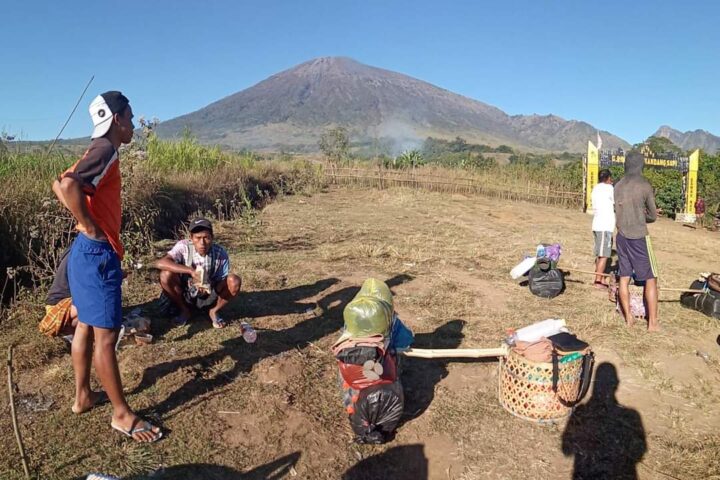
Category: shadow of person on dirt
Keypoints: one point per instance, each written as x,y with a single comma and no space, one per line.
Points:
287,301
291,244
275,470
606,439
398,463
419,376
252,304
263,303
269,343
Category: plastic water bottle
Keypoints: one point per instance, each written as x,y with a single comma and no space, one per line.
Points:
511,338
546,328
100,476
540,252
522,268
248,332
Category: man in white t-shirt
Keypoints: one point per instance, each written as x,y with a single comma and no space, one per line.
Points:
196,273
603,225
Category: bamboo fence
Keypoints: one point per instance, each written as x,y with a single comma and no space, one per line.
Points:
450,182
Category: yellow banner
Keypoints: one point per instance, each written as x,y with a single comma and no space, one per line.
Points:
691,196
657,162
691,176
593,166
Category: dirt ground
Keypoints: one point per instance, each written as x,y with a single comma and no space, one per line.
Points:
273,410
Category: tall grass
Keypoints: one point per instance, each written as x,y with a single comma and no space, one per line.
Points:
163,184
185,155
31,165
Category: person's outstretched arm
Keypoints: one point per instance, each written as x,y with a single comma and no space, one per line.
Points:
169,264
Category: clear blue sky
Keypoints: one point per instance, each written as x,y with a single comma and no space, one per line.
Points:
623,66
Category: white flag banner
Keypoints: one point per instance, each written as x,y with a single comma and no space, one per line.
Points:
599,140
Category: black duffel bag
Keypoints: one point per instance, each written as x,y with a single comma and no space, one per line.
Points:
708,302
545,280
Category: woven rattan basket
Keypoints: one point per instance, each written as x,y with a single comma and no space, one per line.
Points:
526,388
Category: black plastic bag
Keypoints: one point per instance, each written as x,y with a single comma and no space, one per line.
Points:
546,281
708,303
377,412
358,355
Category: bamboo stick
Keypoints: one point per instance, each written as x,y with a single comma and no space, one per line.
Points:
666,289
456,352
588,272
18,437
684,290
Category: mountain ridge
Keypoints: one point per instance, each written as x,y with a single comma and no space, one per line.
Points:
691,139
291,109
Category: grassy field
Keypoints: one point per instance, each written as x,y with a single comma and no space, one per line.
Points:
164,183
273,409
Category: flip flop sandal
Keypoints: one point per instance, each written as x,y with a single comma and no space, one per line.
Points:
121,335
144,426
101,399
219,323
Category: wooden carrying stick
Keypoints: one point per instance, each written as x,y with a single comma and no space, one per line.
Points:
588,272
684,290
456,352
666,289
14,415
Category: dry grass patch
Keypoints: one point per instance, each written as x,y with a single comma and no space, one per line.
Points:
447,259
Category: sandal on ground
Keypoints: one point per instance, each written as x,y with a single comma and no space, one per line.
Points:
219,323
142,427
599,285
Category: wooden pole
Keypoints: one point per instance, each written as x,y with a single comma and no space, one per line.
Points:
18,437
684,290
666,289
456,352
69,117
588,272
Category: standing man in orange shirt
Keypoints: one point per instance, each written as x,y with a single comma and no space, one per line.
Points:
90,189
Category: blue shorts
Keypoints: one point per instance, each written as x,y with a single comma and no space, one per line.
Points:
636,256
95,279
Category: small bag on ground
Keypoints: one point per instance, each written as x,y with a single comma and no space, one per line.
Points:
707,303
377,411
545,280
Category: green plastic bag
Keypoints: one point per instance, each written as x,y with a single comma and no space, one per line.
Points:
366,316
372,287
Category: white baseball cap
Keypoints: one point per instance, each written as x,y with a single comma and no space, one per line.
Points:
102,109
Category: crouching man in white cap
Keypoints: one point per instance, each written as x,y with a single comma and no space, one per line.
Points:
195,273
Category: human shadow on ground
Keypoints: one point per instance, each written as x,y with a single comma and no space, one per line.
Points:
269,343
606,439
263,303
292,243
419,376
280,468
406,462
286,301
